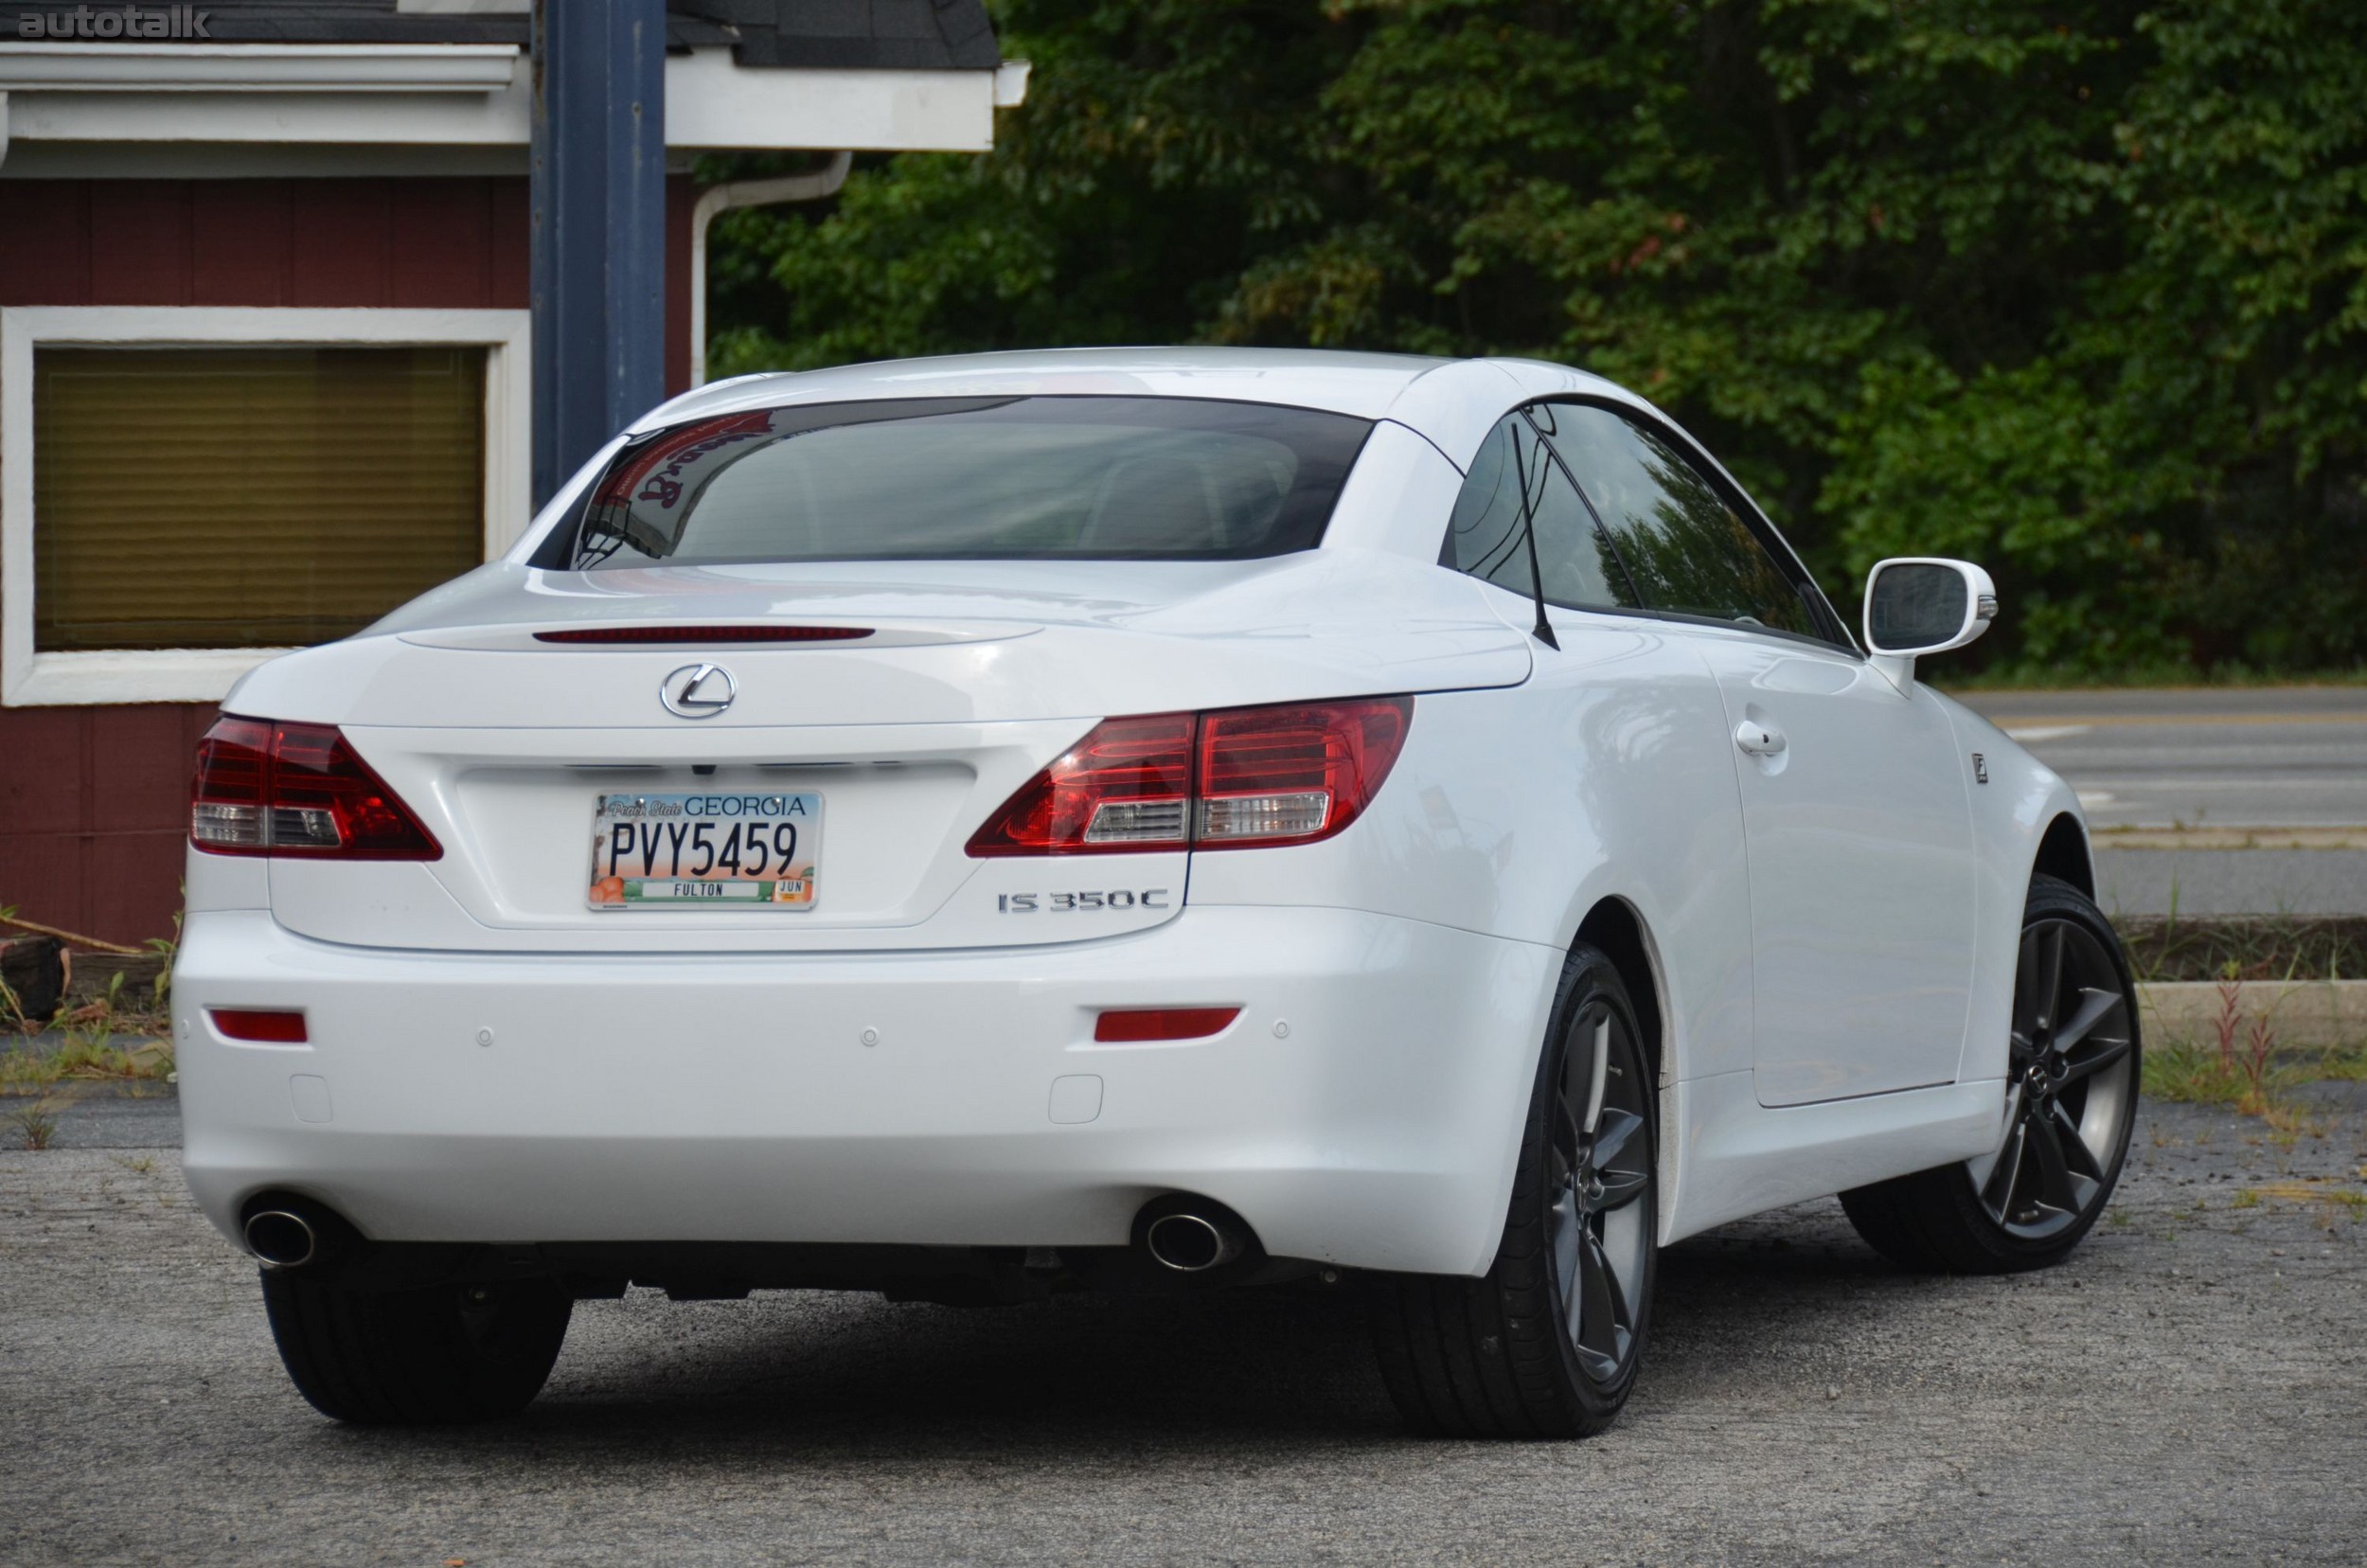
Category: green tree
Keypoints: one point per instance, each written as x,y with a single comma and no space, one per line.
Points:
2076,288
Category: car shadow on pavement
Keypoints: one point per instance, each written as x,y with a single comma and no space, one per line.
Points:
816,1375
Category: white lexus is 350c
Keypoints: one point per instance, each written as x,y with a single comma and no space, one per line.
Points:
1130,820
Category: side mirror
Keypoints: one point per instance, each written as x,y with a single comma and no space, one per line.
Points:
1923,605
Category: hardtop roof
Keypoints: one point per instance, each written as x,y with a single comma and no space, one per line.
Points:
1450,400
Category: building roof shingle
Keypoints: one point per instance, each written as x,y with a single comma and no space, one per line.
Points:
907,35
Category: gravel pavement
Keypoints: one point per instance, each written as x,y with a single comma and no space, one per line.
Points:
2192,1387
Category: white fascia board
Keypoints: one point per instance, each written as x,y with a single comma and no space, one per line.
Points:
498,119
711,104
256,67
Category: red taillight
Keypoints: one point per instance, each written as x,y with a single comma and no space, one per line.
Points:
671,635
1233,779
278,1028
1126,785
1296,773
227,799
1135,1025
279,789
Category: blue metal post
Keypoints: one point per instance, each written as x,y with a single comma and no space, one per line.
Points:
599,188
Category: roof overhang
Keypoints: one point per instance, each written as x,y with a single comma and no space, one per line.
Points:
465,96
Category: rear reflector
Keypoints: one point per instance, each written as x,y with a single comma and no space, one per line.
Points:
278,1028
665,635
1233,779
1134,1025
279,789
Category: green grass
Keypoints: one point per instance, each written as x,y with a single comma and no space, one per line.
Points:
88,1051
2199,1074
2247,1084
86,1058
2266,947
2192,1075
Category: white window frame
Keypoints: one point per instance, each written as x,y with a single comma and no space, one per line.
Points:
30,679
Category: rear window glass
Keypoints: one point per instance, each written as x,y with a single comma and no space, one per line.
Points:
973,478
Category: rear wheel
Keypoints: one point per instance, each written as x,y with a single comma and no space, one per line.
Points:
437,1357
2071,1098
1547,1343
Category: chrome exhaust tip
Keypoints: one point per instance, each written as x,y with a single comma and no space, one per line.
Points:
282,1239
1190,1243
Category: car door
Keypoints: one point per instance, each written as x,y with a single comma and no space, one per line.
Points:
1856,806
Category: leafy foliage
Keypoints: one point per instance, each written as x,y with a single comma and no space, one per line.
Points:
2076,287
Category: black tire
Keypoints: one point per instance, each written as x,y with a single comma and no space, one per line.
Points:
2070,1105
1547,1343
444,1356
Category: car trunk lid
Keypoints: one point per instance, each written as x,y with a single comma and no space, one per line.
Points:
968,679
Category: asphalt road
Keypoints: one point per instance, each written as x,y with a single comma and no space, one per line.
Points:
2274,757
2161,771
2188,1388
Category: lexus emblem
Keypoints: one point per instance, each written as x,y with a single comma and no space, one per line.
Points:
698,691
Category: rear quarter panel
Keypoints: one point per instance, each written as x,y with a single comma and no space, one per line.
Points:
1512,812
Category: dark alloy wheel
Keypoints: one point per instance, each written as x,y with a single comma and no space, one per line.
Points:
2068,1083
1598,1220
2071,1098
1547,1343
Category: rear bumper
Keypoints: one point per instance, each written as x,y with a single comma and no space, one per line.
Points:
1363,1109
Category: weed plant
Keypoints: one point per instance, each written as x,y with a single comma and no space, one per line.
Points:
2269,946
88,1048
2241,1068
36,1124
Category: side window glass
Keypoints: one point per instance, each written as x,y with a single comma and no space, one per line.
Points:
1683,547
1514,486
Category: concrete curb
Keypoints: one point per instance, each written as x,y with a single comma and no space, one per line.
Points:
2300,1012
2229,838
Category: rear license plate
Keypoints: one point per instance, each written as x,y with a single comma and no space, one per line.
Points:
710,851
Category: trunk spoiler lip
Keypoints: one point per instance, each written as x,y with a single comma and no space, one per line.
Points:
702,634
526,637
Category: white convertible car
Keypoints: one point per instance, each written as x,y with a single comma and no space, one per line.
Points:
1130,820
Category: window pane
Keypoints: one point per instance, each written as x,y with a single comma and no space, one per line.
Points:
975,478
1685,548
1485,536
248,497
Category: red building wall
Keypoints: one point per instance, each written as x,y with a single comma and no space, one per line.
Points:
93,801
93,810
456,244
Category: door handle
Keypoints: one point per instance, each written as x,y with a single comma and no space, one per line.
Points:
1758,739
